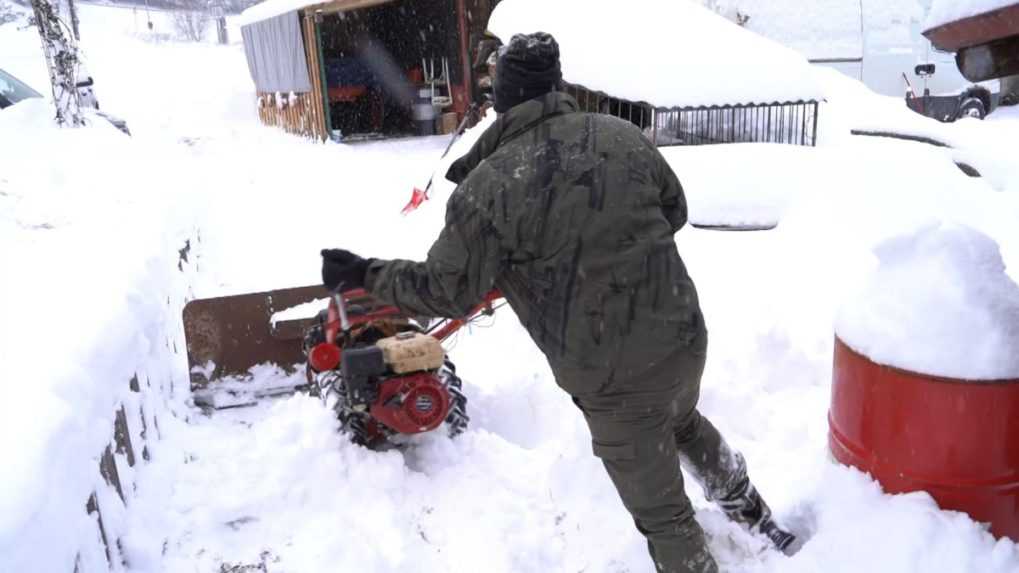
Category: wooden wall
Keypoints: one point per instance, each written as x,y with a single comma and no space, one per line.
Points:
294,113
299,113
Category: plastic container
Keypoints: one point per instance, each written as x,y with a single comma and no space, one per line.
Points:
424,112
956,439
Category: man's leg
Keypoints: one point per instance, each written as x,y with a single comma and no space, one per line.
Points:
722,472
638,448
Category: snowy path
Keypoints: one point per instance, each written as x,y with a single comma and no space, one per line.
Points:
520,492
274,488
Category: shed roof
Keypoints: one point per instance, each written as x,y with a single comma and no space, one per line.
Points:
272,8
953,26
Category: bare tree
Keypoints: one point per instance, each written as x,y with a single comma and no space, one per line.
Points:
74,19
190,23
62,60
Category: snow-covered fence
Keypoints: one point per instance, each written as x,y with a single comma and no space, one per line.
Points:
133,425
131,434
104,370
792,123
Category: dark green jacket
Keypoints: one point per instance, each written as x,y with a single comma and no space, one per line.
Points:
572,216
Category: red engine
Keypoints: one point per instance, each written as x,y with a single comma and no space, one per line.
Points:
412,404
388,376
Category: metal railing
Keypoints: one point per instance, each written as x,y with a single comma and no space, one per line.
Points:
793,123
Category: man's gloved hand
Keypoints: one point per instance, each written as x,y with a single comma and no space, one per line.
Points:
343,268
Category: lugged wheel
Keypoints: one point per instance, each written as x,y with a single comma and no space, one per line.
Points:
354,424
457,419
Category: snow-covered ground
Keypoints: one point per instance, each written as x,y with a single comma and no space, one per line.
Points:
91,225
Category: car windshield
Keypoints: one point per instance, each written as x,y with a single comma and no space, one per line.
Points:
13,90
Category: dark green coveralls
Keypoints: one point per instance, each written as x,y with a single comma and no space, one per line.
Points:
572,216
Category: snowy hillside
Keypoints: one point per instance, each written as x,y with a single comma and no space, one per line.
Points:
104,237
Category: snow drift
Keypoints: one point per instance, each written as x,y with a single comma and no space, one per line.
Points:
90,303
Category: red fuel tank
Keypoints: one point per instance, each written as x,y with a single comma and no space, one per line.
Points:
956,439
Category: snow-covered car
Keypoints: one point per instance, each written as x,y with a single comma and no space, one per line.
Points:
879,43
13,90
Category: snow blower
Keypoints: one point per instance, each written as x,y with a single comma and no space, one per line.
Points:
384,373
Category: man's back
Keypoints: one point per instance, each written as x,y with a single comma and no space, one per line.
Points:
586,209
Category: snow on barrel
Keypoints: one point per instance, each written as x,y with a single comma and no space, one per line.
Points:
925,391
941,304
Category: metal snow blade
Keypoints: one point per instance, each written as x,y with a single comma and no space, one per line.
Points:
228,336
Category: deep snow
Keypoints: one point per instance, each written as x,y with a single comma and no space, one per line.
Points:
97,241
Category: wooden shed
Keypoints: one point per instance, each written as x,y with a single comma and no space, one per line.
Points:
363,68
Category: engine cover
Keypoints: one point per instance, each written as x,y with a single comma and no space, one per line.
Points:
412,351
412,404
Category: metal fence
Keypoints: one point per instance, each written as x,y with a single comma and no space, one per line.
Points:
793,123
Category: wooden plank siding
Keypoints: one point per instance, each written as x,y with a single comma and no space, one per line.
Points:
294,113
300,113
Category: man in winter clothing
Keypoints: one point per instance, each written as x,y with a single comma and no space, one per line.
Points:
572,216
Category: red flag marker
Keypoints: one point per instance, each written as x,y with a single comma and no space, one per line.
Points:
416,199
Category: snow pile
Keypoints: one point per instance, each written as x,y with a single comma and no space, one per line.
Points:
719,195
940,304
90,299
902,533
665,53
947,11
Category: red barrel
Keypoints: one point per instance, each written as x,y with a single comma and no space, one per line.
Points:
957,440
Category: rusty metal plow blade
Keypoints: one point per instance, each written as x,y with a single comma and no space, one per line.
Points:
232,338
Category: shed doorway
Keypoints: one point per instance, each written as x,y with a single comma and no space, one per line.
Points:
392,69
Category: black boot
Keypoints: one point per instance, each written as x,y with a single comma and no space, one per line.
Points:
746,506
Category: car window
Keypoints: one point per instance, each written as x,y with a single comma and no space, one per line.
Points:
13,90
